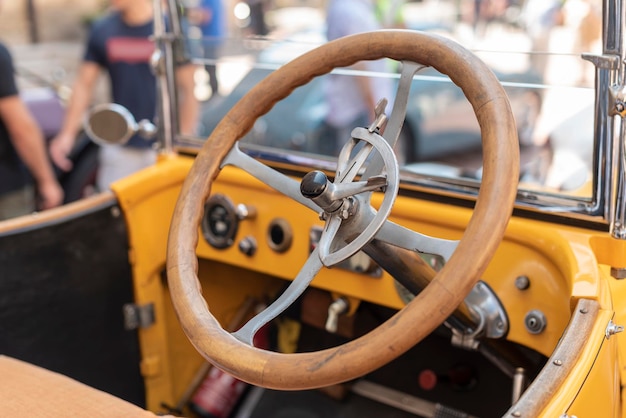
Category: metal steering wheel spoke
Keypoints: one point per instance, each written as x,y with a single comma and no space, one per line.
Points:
308,272
348,167
402,237
276,180
343,190
331,229
398,113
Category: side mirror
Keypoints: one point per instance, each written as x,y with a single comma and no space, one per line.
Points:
110,123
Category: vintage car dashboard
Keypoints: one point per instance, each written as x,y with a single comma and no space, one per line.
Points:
249,225
253,240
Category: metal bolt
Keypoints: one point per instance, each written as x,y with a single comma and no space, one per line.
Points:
557,362
535,321
516,413
349,208
248,246
522,282
115,211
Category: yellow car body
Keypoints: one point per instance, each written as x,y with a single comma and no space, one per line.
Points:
557,275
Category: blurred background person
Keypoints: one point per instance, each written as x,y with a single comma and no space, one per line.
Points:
352,99
586,17
121,44
258,26
390,13
540,17
208,16
27,180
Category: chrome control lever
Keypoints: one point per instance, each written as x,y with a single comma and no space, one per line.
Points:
337,308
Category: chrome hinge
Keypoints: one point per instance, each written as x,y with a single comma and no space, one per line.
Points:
138,316
612,328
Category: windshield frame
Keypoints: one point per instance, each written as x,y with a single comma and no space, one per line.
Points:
607,203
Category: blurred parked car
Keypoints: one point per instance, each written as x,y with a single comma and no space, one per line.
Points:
439,121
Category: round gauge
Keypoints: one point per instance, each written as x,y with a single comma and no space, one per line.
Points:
220,221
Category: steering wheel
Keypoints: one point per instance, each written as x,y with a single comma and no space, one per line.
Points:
345,206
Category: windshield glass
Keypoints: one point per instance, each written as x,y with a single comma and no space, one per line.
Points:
533,46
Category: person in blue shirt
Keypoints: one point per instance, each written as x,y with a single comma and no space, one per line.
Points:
208,16
121,44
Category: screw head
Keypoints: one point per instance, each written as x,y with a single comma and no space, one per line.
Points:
522,282
535,321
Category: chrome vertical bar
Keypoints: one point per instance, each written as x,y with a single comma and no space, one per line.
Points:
167,30
608,75
618,219
613,44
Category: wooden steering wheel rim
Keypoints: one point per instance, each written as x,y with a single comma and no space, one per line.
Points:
435,303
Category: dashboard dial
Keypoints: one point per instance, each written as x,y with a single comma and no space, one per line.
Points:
220,221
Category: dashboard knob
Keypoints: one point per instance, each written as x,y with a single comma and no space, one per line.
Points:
245,212
313,184
248,246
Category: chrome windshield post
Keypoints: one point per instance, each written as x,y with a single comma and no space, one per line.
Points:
167,31
609,155
613,43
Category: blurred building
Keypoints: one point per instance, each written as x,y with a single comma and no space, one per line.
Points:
26,21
